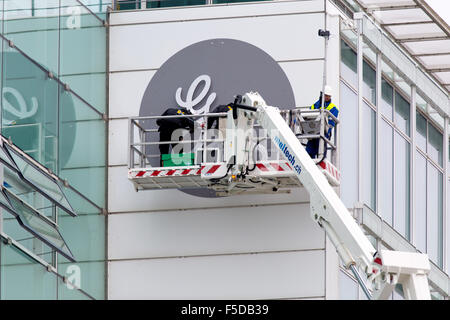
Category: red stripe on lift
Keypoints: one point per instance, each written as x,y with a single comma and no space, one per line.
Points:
323,165
214,168
186,171
289,166
140,173
155,173
261,167
171,172
277,166
200,170
378,261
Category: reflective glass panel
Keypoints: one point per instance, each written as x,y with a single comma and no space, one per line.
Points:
66,291
83,52
176,3
88,276
86,233
385,172
402,187
387,99
402,115
348,117
349,64
33,27
369,156
25,238
29,108
15,184
421,132
420,225
82,147
369,83
41,181
38,225
434,144
434,214
22,278
5,159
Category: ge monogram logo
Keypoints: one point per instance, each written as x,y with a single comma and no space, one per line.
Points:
210,73
190,103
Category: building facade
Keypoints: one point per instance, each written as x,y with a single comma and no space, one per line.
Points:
93,68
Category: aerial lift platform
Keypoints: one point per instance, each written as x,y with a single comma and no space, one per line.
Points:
266,170
238,168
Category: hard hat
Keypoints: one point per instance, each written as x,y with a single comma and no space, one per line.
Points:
328,91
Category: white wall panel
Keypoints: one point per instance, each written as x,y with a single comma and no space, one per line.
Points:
213,231
126,92
306,80
284,38
123,198
246,276
214,12
129,87
118,142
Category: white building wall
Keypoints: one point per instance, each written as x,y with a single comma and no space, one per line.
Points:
166,244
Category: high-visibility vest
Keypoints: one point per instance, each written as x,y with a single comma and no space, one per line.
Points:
329,107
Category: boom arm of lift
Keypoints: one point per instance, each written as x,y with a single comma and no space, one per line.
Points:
384,269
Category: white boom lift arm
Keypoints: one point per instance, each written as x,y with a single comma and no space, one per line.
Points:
384,269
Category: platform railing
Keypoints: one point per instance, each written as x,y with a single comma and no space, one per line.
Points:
145,138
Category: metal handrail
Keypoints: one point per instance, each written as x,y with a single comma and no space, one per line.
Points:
138,147
134,146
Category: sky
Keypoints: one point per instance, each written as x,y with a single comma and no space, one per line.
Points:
442,7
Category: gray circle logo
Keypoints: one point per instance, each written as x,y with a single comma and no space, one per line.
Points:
210,73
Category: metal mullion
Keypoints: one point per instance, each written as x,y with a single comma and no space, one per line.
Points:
412,186
393,176
350,86
430,119
378,71
359,62
370,104
445,199
428,159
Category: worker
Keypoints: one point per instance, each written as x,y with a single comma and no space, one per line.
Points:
214,121
312,146
168,125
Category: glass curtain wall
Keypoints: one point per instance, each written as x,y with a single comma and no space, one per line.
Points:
53,81
429,172
137,4
394,178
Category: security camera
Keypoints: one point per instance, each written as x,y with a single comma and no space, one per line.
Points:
324,33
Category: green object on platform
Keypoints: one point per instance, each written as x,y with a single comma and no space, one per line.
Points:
174,159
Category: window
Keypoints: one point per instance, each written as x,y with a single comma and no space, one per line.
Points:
401,185
387,99
434,148
420,199
428,230
386,172
37,178
369,156
349,64
369,83
402,113
421,131
38,225
434,214
349,146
